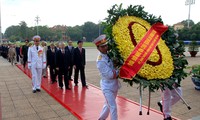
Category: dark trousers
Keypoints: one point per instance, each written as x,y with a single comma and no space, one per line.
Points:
17,57
82,71
53,73
70,72
24,61
62,72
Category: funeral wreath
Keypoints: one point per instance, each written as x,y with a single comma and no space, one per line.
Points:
125,28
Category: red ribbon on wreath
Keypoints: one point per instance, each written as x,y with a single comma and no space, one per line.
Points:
142,51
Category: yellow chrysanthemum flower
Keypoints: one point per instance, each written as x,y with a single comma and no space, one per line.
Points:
129,28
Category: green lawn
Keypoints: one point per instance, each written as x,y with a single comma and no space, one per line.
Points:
85,44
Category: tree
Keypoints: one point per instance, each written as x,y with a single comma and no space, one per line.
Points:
90,30
74,33
12,30
192,33
23,29
185,22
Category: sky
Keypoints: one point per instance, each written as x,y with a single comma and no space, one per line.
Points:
77,12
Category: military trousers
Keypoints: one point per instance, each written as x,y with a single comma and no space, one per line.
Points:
169,98
110,105
36,77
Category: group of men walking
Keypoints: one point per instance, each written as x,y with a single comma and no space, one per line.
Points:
60,60
14,53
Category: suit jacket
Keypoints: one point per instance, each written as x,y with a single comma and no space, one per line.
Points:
51,57
62,60
24,50
11,52
79,57
71,55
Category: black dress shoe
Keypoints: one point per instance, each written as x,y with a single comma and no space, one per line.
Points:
44,76
76,84
67,88
160,105
38,90
168,118
86,86
52,82
34,91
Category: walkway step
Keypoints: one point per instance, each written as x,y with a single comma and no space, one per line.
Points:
86,104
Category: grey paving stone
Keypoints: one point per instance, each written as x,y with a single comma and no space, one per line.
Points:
10,114
47,115
30,117
25,112
40,109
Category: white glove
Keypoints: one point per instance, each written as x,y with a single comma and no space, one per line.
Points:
29,67
43,66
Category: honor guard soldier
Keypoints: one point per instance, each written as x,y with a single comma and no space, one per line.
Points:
169,98
109,82
36,62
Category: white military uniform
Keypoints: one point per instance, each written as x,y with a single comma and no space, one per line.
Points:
36,62
109,85
169,98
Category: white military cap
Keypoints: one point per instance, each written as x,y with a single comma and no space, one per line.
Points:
100,41
36,37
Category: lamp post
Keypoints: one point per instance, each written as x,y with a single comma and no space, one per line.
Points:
99,27
189,2
0,25
37,19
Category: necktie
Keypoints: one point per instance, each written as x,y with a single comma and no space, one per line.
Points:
63,52
80,50
37,47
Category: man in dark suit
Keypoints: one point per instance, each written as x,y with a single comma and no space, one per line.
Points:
25,52
62,65
51,63
79,63
70,48
17,52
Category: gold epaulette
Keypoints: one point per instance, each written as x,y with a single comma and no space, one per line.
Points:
99,57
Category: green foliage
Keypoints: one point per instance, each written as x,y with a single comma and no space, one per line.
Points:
89,30
192,33
185,22
195,71
193,46
23,29
176,48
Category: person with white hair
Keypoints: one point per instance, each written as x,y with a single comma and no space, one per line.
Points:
62,66
36,62
12,54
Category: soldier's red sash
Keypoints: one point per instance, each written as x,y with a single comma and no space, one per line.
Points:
142,51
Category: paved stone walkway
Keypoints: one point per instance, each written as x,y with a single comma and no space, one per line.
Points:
18,101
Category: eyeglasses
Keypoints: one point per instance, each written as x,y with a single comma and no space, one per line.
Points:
37,41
